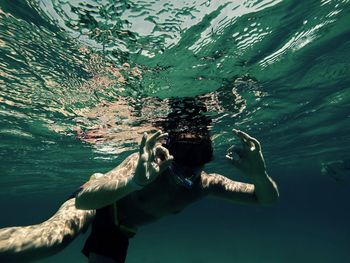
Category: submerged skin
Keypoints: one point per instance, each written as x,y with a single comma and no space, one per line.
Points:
142,190
156,194
28,243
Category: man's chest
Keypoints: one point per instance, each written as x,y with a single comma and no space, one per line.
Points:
157,200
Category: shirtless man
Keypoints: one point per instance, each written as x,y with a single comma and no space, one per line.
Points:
145,187
152,183
164,177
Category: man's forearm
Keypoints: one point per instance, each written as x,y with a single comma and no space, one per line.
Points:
28,243
110,187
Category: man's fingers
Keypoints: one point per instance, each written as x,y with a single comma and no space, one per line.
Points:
244,135
162,136
155,138
245,143
234,161
164,158
247,140
143,143
161,161
162,153
235,152
165,164
229,157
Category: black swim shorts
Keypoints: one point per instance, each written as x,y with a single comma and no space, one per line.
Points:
106,238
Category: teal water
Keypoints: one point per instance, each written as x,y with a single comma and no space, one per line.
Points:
276,69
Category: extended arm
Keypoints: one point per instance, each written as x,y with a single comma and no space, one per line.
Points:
135,172
217,185
106,189
28,243
263,189
220,186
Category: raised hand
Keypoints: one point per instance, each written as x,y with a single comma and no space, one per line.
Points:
250,158
153,159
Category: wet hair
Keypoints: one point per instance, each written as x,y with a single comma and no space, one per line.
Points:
188,127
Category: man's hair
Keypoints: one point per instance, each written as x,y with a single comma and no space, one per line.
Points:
188,127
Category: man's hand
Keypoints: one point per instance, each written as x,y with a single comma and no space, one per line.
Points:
153,159
250,158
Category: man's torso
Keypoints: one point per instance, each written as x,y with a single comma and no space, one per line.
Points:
160,198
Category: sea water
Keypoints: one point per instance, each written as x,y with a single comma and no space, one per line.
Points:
278,70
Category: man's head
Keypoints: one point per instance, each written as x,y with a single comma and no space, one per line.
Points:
191,152
188,128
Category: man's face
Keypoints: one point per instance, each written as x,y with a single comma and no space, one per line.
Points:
189,171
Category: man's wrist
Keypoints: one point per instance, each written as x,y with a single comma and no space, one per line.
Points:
260,176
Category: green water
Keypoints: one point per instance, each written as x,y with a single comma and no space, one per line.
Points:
286,61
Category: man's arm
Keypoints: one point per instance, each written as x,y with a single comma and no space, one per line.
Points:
217,185
28,243
250,161
104,190
132,174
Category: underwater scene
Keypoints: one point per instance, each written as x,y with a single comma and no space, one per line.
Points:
82,80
